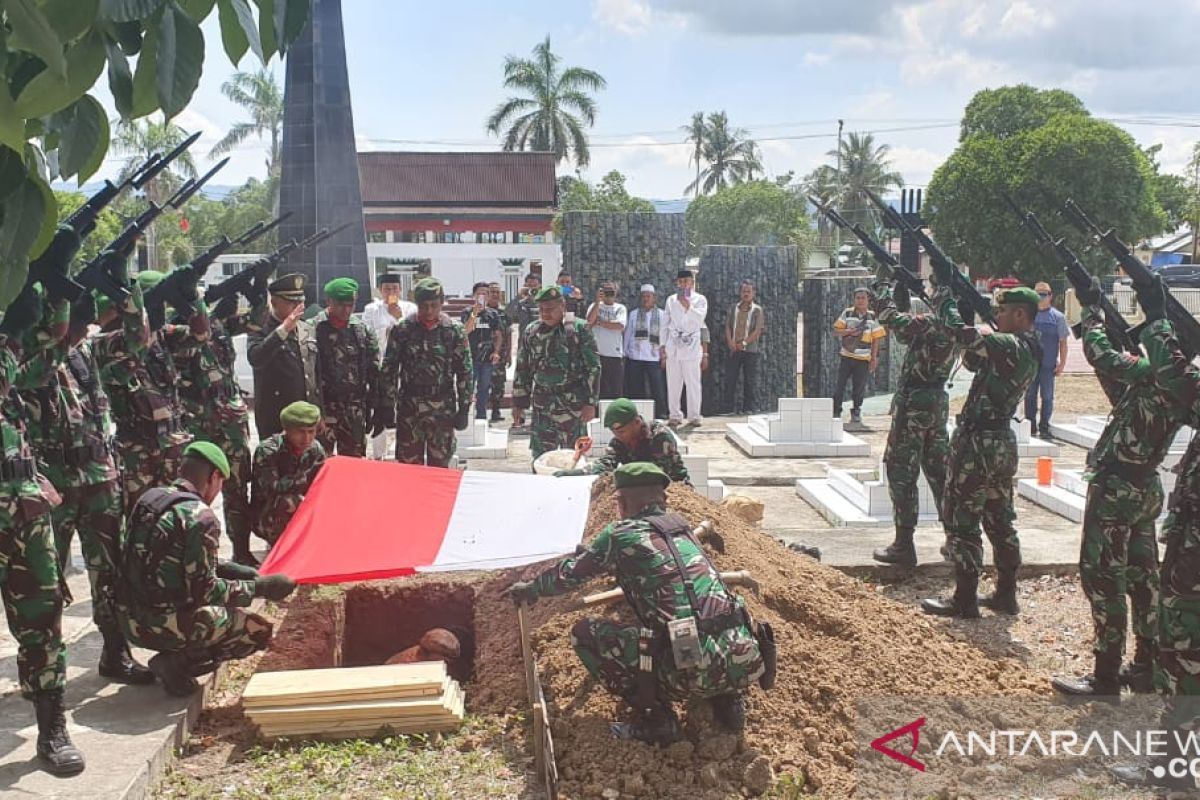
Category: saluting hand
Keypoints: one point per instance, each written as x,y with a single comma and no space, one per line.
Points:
289,323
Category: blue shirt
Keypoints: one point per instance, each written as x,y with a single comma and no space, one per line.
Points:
1051,326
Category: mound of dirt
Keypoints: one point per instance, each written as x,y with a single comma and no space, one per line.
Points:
839,641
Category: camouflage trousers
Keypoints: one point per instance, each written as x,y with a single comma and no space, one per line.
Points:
144,467
1117,557
917,441
276,513
499,376
979,493
32,591
345,426
208,633
1177,669
554,425
424,435
730,662
94,511
233,437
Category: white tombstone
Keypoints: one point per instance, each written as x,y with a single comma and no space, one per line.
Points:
1085,432
860,497
481,441
697,467
803,426
1066,495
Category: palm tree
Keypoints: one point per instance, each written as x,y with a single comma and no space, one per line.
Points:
553,115
822,183
732,157
139,139
259,93
697,134
865,167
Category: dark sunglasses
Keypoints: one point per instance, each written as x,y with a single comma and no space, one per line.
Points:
1043,294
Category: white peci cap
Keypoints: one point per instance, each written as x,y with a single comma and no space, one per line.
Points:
648,287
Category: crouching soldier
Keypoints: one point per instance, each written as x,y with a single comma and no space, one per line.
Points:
173,595
633,439
284,467
696,639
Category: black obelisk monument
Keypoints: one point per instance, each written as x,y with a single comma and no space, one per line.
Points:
319,172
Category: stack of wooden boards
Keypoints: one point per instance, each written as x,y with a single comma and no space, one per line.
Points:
351,702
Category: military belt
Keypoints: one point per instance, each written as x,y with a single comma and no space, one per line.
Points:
1130,473
18,469
982,424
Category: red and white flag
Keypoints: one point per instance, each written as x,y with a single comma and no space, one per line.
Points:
364,519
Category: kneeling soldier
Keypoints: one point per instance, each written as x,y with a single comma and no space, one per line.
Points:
633,439
284,467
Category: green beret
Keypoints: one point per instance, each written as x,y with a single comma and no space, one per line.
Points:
640,473
288,287
341,289
548,294
299,415
428,289
104,303
210,453
620,412
1021,294
147,279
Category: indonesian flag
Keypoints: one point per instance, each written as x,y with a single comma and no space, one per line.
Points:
363,520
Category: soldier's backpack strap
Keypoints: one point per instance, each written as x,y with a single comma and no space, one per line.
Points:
668,527
147,511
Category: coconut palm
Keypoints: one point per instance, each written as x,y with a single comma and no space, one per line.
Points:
556,109
697,134
865,167
731,156
259,93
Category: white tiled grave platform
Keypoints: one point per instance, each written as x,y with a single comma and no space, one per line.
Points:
1027,445
480,441
697,467
804,426
1067,493
1086,430
859,497
601,435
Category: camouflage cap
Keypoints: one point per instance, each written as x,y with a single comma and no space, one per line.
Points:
639,473
548,294
620,412
210,453
341,289
299,415
1021,294
428,289
288,287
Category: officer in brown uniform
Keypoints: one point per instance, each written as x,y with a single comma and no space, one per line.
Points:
283,355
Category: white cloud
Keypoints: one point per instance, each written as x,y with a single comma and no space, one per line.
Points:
916,164
630,17
815,59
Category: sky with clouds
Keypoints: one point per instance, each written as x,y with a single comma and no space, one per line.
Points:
424,76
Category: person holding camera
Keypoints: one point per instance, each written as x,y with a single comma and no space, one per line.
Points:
486,335
606,317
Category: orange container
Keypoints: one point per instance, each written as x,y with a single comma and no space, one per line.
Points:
1045,472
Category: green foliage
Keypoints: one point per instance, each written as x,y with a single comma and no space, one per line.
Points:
251,203
865,167
730,155
1173,192
752,213
260,94
556,108
1063,153
108,224
52,52
610,194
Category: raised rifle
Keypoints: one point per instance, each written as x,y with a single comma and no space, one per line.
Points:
1119,331
947,272
53,265
1187,329
897,271
261,269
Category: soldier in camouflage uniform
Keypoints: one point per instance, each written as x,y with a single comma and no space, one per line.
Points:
1118,555
983,451
523,310
918,440
634,440
426,381
214,410
500,373
174,596
666,578
30,583
138,373
69,426
348,361
284,468
558,374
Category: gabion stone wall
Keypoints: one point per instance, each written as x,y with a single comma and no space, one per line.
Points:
822,300
773,271
630,249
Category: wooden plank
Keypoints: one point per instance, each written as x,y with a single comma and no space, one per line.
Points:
368,710
313,684
448,720
370,732
398,693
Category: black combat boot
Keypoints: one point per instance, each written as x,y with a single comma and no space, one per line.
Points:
53,743
1004,599
1103,684
901,552
116,662
729,710
174,673
1138,674
496,416
965,602
657,725
241,550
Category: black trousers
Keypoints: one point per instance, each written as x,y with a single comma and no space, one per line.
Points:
612,377
645,380
745,364
851,368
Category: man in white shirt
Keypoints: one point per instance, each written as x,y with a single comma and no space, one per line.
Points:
645,331
606,318
381,316
682,350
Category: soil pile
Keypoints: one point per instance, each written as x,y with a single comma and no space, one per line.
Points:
839,641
